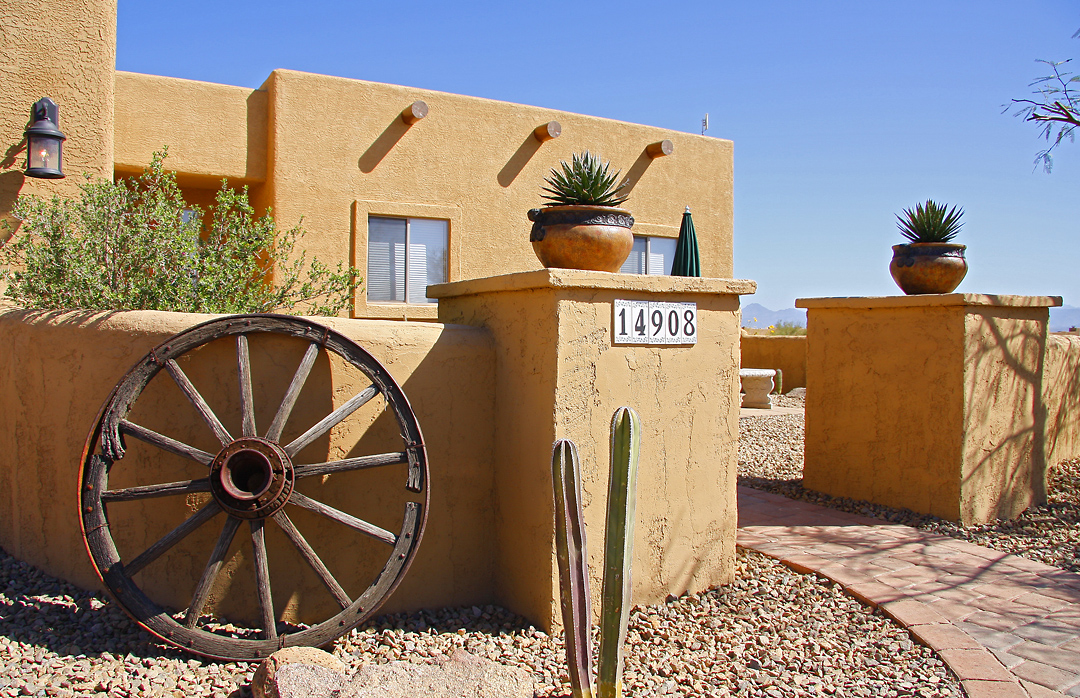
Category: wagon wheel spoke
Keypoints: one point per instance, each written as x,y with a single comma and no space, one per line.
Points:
289,401
359,463
164,442
312,558
213,566
166,489
198,401
172,538
262,577
331,420
247,402
341,517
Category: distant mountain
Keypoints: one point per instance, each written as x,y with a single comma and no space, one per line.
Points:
1061,319
757,315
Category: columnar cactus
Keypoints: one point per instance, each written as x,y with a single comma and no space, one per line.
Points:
572,550
572,553
618,549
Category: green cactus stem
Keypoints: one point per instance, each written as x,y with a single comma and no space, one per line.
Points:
572,551
618,550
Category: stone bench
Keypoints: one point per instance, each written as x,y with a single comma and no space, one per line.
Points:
757,385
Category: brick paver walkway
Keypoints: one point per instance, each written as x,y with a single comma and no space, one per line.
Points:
1006,626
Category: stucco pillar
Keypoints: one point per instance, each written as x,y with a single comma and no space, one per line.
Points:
928,402
560,375
66,51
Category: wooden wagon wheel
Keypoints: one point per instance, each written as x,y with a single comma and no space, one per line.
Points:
252,480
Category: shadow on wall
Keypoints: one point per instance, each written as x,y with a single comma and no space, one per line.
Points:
1005,367
383,145
1061,393
518,160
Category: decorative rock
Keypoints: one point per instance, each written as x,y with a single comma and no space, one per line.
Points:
293,672
462,676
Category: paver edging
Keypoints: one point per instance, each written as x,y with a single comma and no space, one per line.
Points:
965,659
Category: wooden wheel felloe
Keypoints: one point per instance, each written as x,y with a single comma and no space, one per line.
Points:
251,485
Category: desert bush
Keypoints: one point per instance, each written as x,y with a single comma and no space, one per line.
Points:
137,245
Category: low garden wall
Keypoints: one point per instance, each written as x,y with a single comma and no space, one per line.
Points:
787,353
57,369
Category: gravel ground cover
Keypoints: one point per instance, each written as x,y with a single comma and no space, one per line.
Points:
771,633
771,459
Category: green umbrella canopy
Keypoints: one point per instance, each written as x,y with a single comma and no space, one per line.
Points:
687,261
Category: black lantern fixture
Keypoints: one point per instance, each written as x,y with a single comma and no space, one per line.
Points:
44,141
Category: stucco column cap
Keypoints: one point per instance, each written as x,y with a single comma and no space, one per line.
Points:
931,300
578,279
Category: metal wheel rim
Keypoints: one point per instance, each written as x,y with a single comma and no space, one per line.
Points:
105,446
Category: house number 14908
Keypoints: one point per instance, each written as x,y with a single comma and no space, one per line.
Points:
654,322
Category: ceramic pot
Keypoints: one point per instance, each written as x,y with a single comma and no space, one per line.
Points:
582,237
928,267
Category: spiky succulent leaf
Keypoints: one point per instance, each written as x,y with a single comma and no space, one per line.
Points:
586,181
930,222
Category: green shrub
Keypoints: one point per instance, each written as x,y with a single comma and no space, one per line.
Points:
786,328
137,245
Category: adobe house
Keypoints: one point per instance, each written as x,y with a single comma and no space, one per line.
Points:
426,193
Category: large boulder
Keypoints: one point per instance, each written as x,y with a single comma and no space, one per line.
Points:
298,672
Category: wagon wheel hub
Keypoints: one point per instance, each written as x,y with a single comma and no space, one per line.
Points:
252,478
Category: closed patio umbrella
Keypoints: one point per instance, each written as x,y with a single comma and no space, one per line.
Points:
687,261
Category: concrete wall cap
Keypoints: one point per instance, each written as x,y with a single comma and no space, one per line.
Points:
944,299
576,278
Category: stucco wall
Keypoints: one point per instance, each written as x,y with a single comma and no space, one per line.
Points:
56,369
66,51
687,397
1004,462
212,131
785,353
1061,395
883,407
337,151
928,402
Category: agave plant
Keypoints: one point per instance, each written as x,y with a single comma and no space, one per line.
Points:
930,222
586,181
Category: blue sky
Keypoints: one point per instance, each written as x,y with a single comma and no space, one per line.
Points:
842,113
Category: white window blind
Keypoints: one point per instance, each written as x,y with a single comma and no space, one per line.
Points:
405,253
650,255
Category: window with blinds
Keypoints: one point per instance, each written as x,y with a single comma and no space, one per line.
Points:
405,256
650,255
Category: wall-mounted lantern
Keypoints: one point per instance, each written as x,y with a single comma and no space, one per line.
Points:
44,141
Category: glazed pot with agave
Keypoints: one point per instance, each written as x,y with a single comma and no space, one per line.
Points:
930,262
581,226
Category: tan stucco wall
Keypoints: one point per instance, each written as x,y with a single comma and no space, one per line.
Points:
927,402
559,376
56,369
212,131
1061,395
66,51
785,353
337,152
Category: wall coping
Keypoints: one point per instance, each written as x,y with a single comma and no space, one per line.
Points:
578,279
931,300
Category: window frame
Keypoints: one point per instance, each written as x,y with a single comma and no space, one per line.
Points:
362,210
